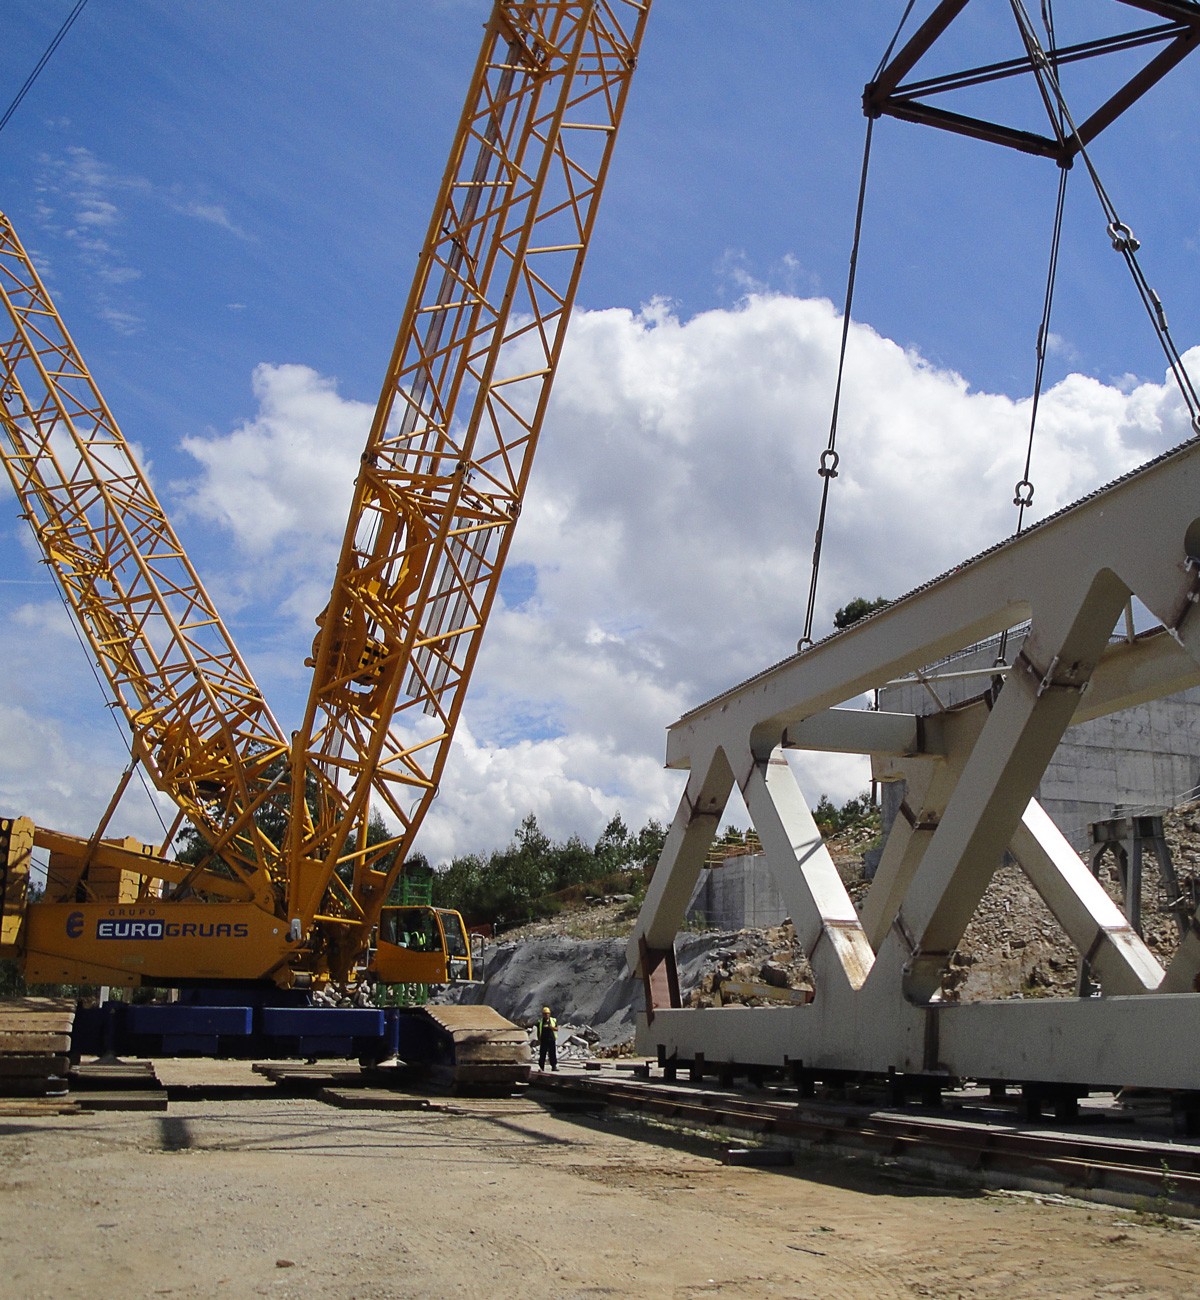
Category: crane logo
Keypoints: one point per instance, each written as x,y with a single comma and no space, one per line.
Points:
152,929
156,928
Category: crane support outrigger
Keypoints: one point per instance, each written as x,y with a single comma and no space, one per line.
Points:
441,484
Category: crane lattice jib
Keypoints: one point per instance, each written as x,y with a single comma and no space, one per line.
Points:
450,449
200,725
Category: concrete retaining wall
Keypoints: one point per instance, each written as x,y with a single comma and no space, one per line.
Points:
740,894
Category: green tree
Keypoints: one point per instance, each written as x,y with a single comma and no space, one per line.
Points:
520,880
272,816
858,608
612,848
464,885
647,847
825,814
831,819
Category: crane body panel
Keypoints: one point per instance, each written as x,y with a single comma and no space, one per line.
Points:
131,944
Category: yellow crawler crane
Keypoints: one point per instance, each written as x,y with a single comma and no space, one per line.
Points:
442,478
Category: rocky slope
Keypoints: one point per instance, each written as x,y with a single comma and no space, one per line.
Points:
587,984
1015,947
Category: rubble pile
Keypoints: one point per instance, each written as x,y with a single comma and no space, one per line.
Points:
586,983
751,968
574,1042
334,994
1014,946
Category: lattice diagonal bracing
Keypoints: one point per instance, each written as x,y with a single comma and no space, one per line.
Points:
440,488
200,725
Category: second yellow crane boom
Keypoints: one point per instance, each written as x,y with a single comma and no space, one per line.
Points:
447,461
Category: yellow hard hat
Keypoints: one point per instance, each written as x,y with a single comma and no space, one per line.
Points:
545,1011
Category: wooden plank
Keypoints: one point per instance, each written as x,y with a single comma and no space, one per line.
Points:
372,1099
309,1075
36,1064
120,1076
35,1042
57,1022
34,1086
36,1107
106,1069
24,1043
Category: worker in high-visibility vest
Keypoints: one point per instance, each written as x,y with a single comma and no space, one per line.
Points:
547,1037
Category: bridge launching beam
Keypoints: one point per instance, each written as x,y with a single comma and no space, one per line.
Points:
970,773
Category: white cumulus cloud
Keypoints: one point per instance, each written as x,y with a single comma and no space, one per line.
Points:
665,546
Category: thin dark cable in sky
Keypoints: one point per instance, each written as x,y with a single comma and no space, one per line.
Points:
41,63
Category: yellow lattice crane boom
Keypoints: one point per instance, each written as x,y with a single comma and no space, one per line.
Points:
442,478
198,721
449,452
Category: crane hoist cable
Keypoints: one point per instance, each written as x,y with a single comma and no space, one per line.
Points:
1119,233
1044,66
41,63
827,468
1023,490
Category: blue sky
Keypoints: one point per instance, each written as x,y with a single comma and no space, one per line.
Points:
227,202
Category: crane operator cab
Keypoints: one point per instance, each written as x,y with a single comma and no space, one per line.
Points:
421,945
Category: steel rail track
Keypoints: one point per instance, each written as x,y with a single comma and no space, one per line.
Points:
1146,1174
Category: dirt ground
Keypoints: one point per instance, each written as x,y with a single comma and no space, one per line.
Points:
269,1196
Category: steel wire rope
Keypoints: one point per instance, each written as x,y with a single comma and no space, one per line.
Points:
827,467
1023,491
1120,235
41,63
1122,238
